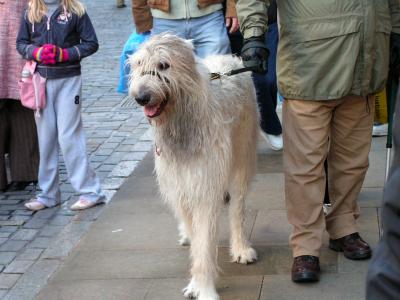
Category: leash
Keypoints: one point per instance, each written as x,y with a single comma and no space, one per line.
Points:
214,76
251,67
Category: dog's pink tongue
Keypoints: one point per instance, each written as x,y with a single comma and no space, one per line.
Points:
151,110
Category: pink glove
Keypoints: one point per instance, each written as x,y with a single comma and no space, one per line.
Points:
62,55
45,54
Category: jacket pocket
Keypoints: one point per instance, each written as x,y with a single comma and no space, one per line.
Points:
324,29
324,55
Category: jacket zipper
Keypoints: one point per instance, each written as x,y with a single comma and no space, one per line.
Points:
48,23
187,10
48,35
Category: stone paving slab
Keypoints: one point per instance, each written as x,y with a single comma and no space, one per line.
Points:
122,289
272,260
266,192
128,263
229,288
127,244
330,287
376,172
271,229
370,197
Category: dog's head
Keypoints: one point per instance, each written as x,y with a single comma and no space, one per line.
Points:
159,69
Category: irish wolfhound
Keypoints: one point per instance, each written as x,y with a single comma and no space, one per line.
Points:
205,143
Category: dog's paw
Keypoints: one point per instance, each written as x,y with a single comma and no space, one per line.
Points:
191,291
184,241
244,256
205,296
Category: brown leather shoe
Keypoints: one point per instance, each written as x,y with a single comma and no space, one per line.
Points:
305,269
352,245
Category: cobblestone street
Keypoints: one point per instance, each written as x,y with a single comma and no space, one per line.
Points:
32,245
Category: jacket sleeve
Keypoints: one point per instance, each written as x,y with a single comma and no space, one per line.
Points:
142,16
230,9
24,46
253,17
88,44
395,15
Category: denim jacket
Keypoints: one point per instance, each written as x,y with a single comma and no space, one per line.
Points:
63,29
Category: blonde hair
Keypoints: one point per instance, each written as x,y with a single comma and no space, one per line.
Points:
37,9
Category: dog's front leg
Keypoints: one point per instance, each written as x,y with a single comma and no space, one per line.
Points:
204,253
185,226
240,247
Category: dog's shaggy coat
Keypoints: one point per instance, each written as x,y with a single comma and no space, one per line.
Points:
205,141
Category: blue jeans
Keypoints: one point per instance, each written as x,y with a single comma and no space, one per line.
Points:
266,86
208,33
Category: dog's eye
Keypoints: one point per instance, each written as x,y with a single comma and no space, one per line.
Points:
163,66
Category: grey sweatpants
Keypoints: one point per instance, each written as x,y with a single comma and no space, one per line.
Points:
60,127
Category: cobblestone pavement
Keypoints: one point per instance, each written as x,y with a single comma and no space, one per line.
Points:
32,245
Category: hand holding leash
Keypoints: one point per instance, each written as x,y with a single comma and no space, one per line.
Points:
255,54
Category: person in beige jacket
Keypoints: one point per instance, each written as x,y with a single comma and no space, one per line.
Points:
333,56
201,21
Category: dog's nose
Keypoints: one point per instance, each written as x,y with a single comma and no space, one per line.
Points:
143,99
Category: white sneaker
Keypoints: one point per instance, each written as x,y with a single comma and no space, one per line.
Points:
34,205
380,129
82,204
274,141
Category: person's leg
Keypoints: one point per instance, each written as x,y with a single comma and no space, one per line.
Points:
348,162
177,27
24,151
72,140
4,129
267,88
306,126
46,126
209,35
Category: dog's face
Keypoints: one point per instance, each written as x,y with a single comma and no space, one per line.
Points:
158,68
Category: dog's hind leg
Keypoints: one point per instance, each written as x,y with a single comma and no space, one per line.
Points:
241,251
204,253
185,226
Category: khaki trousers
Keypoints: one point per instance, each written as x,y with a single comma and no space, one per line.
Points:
339,130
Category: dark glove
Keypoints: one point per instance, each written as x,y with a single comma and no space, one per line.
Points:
255,54
394,64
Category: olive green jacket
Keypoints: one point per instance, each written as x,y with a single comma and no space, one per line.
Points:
328,48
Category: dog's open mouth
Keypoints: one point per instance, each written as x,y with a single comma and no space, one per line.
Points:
152,111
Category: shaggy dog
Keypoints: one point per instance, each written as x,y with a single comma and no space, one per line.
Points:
205,143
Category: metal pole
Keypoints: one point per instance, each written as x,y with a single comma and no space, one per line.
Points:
388,160
392,88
